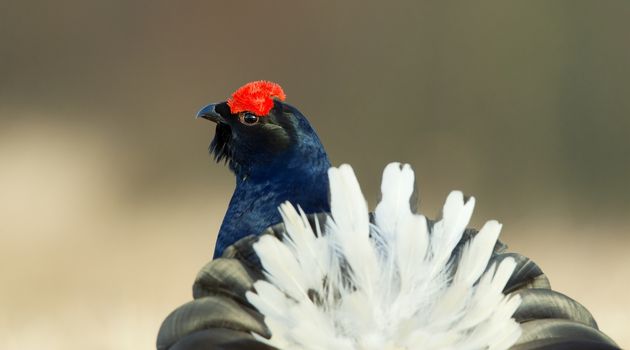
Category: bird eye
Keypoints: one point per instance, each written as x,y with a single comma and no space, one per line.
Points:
248,118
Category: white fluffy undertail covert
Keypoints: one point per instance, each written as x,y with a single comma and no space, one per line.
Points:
387,285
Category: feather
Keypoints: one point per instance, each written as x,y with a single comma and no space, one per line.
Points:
544,303
351,226
562,334
208,312
395,284
225,276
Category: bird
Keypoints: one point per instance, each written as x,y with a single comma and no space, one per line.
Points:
315,269
275,155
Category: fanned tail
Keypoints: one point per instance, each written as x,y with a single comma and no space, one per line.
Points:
387,285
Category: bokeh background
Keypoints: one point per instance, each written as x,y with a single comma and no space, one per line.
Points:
109,202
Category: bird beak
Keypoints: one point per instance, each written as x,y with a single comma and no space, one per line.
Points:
209,112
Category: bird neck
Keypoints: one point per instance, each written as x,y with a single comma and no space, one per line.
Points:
300,178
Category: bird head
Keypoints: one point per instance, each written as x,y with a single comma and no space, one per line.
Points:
257,131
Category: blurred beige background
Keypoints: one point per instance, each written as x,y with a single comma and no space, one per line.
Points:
109,202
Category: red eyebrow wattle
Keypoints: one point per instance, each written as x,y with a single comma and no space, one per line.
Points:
255,97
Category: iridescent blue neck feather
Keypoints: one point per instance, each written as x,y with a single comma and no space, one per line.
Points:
297,174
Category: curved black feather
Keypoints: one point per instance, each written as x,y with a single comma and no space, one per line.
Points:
537,304
209,312
220,339
564,344
225,276
559,333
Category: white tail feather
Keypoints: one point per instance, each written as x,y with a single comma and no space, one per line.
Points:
392,285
